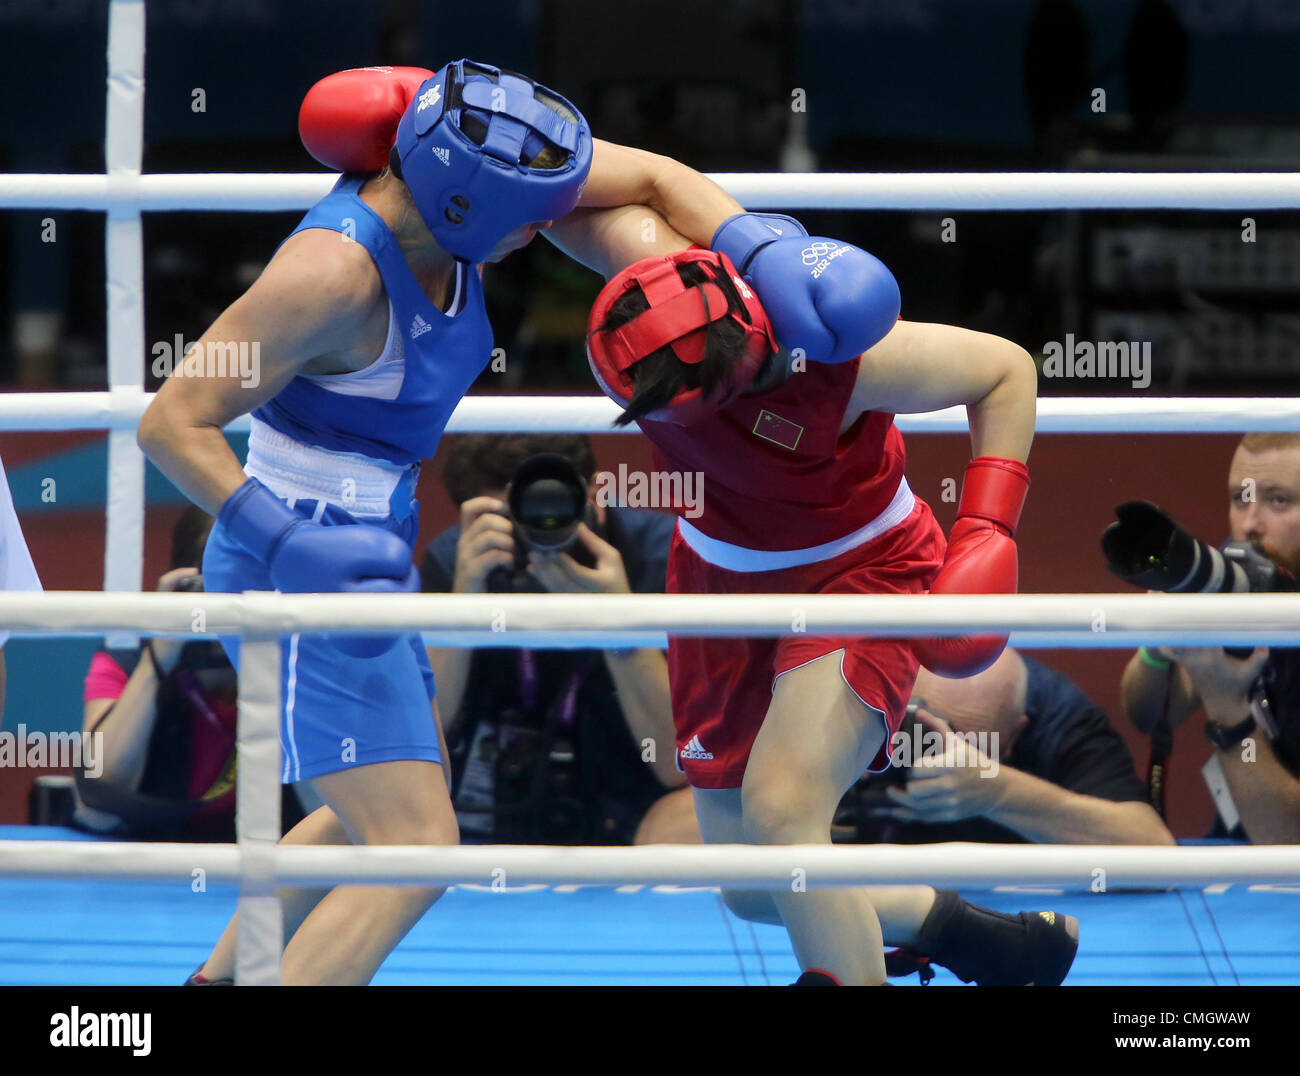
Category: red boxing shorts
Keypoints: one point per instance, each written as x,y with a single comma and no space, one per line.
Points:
722,687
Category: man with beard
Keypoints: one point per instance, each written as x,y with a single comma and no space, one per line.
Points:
1256,733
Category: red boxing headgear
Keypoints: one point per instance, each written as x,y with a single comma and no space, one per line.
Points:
679,316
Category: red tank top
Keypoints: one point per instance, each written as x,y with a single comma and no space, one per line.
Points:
777,473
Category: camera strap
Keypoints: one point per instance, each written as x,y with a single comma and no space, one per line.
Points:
562,713
1162,746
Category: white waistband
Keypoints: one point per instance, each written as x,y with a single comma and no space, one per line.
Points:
361,485
737,558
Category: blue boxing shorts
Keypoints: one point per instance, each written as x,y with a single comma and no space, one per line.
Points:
338,711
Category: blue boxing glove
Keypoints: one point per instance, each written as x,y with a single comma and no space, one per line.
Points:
308,558
828,300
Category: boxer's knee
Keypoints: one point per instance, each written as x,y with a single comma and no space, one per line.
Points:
779,809
753,905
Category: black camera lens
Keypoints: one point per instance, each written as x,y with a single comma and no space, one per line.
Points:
547,499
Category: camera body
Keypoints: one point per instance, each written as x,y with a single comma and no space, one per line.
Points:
1148,549
546,501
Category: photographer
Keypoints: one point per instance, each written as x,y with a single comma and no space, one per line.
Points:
165,718
1055,772
1251,702
554,746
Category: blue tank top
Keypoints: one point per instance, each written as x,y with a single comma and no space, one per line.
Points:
443,354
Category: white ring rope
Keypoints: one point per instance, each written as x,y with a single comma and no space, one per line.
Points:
121,410
264,192
695,865
1080,621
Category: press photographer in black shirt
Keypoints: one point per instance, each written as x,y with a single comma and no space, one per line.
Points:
554,746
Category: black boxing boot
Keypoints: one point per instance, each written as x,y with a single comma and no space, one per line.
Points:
989,948
816,978
198,979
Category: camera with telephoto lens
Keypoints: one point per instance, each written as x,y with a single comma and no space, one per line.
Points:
546,501
1148,549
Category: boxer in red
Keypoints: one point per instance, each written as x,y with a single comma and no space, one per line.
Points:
804,492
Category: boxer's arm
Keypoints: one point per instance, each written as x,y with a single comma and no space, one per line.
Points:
609,240
922,367
622,176
304,304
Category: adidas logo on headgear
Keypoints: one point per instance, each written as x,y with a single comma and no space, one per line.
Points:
443,154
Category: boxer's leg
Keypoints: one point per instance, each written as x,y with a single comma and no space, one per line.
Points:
322,826
901,909
347,936
816,739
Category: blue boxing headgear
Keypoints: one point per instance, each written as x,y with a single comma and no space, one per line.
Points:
463,149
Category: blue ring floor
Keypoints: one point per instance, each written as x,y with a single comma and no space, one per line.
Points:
74,933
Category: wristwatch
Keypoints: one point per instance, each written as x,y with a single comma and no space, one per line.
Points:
1226,737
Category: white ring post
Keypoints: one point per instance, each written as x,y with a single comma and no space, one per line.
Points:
260,936
124,246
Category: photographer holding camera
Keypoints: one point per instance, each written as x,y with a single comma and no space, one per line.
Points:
1251,698
554,746
1039,762
165,717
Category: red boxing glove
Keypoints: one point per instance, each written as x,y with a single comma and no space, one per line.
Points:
981,559
348,120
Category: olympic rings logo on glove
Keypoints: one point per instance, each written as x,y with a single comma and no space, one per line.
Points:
813,254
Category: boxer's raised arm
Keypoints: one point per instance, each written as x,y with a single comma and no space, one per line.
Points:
622,176
609,240
921,367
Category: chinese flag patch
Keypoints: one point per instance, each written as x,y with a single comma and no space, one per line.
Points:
778,430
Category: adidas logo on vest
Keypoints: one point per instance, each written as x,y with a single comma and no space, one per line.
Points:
419,327
695,750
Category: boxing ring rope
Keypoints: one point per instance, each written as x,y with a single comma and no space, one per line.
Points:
1041,191
256,862
955,864
121,409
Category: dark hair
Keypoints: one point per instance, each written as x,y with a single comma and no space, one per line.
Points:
478,462
661,375
189,536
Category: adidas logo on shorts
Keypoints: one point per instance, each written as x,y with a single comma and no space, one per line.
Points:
695,750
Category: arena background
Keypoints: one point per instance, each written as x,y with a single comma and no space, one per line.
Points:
833,85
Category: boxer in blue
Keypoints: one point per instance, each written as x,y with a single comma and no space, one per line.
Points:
370,326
